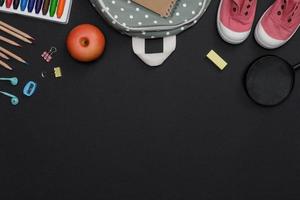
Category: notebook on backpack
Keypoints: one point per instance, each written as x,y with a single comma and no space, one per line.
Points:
162,7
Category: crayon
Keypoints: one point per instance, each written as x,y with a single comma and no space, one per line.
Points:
53,7
8,3
61,8
30,5
1,2
23,4
38,6
16,4
46,7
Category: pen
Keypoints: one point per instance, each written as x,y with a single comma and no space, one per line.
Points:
16,4
23,4
61,8
30,5
53,7
8,3
1,2
46,7
38,6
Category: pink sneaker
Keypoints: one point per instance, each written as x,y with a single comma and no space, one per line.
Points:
278,24
235,19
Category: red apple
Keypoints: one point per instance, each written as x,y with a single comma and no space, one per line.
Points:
86,43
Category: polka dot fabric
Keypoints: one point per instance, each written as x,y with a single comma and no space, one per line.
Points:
137,21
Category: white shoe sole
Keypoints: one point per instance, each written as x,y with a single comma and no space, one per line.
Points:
265,40
228,35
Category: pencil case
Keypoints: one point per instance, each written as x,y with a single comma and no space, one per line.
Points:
140,23
58,12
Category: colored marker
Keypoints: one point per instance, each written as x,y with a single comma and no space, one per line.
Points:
8,3
31,5
53,7
38,6
16,4
1,2
61,8
23,4
46,7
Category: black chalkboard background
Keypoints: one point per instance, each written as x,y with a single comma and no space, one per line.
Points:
118,129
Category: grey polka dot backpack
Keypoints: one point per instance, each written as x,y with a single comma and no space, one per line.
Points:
140,23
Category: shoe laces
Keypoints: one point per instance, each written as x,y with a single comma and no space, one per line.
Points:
289,12
241,8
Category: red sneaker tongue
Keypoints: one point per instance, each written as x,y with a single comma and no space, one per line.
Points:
239,2
291,7
293,1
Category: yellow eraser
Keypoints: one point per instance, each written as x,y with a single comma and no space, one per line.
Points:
57,72
216,59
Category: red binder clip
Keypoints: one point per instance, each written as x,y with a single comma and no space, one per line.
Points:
49,55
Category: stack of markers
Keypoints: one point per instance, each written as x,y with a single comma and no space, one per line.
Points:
53,10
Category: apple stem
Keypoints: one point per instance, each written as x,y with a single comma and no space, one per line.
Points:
84,42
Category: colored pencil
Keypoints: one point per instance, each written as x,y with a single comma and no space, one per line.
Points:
30,5
38,6
46,7
53,7
23,4
16,4
61,8
8,3
9,41
6,66
1,2
14,34
18,58
16,30
2,55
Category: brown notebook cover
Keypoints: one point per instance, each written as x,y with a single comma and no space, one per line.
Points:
162,7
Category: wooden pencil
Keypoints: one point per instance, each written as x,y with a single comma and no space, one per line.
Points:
16,30
2,28
18,58
2,55
9,41
6,66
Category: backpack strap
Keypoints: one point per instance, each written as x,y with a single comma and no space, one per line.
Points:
154,59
